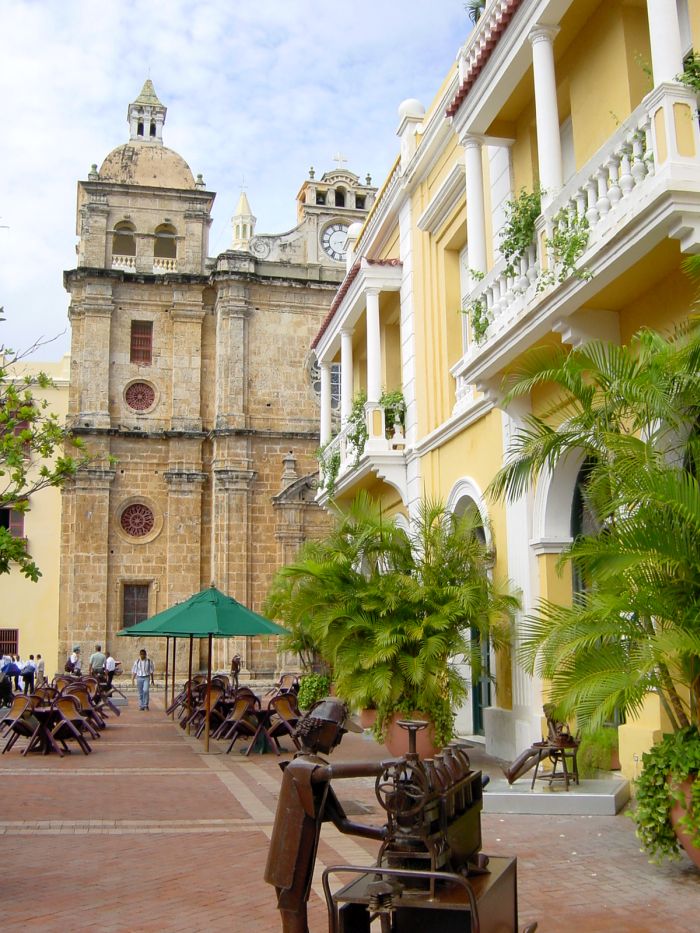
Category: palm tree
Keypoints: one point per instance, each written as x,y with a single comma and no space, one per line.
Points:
389,610
633,411
474,9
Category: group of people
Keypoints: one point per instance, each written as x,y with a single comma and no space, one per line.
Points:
27,675
101,663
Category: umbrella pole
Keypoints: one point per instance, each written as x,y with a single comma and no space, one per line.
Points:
172,686
189,687
167,658
206,727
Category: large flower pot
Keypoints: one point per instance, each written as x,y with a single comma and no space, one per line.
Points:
677,813
396,738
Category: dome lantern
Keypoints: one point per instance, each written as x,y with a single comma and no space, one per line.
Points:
146,116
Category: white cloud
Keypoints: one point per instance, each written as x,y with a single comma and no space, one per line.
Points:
257,89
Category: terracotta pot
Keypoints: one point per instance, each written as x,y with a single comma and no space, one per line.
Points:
367,717
677,812
396,738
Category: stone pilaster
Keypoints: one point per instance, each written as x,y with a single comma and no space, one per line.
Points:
187,317
184,531
83,606
232,311
92,251
90,351
197,223
231,550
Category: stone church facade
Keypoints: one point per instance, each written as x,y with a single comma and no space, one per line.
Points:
192,385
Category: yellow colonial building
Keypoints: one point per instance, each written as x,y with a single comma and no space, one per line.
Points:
576,99
29,619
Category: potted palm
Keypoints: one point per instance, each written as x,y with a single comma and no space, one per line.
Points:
633,412
392,609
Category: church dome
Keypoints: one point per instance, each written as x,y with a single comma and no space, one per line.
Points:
147,164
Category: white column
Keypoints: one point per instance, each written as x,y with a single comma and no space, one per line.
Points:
346,374
374,355
476,221
325,403
546,111
665,35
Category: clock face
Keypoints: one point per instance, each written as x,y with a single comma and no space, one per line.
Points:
333,241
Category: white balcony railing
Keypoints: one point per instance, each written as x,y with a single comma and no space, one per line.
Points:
609,190
128,263
161,265
341,457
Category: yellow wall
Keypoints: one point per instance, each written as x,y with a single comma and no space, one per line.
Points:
33,607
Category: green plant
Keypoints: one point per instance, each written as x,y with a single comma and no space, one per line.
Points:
518,232
632,411
691,71
566,246
675,759
392,609
394,407
329,465
479,319
312,688
595,753
474,9
357,425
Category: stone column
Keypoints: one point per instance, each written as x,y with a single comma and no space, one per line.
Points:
231,549
145,245
476,220
665,36
346,374
187,316
326,405
192,254
232,311
184,531
93,354
85,527
92,250
546,110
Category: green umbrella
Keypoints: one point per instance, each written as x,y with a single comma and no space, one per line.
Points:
208,614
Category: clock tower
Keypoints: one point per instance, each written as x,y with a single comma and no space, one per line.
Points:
327,206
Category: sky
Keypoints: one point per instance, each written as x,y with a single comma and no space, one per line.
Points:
256,93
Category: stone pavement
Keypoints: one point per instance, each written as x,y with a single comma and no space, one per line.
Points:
148,833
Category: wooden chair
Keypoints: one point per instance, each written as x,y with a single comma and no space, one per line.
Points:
287,715
71,724
79,693
99,697
216,714
240,721
20,722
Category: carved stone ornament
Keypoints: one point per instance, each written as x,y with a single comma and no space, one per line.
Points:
140,396
137,520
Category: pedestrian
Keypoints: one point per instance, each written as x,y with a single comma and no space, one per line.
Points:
142,674
40,671
73,663
18,673
97,661
110,667
28,672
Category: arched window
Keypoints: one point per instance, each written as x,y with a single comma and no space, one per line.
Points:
123,241
153,129
340,197
165,246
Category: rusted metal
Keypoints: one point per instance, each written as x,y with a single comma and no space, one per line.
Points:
430,873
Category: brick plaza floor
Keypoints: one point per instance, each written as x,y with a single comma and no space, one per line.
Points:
149,833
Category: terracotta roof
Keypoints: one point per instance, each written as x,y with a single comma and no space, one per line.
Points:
343,290
484,49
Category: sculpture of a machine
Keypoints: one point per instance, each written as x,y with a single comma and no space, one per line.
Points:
430,873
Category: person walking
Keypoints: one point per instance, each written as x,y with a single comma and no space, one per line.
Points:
97,661
110,667
28,671
40,671
74,662
142,674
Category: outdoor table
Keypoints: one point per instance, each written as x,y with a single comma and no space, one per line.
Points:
47,717
263,716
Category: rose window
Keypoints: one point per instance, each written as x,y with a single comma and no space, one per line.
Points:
137,520
140,396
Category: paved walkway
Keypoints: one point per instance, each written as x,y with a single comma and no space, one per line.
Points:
148,833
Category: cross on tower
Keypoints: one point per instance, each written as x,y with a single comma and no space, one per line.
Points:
339,158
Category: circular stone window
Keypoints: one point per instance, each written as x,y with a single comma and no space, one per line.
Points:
140,396
137,520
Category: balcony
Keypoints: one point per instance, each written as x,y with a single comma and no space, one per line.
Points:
127,263
161,265
345,461
640,188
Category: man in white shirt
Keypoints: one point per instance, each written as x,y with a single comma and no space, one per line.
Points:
40,671
75,660
142,674
110,667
